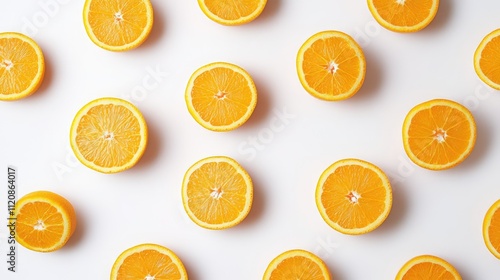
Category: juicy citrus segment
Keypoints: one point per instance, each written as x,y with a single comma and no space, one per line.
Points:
403,15
486,59
44,221
118,25
22,66
297,264
232,12
353,196
221,96
217,193
427,267
331,65
439,134
148,261
491,229
109,135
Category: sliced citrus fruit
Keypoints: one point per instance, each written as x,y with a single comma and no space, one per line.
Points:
22,66
44,221
118,25
353,196
491,229
109,135
487,59
149,262
232,12
331,66
403,15
297,264
439,134
221,96
217,192
427,267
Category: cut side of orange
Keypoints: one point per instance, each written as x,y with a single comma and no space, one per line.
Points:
44,221
353,196
217,193
331,66
403,15
148,261
232,12
428,267
221,96
109,135
439,134
118,25
297,264
22,66
487,59
491,229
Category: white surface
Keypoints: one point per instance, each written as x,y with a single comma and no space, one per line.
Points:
438,213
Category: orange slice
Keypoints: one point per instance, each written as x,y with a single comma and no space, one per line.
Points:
109,135
353,196
491,229
148,261
232,12
221,96
487,59
331,66
118,25
44,221
217,193
439,134
22,66
404,15
427,267
297,264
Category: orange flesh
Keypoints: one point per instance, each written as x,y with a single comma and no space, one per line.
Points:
39,224
494,230
428,270
297,268
411,13
108,135
353,196
148,263
18,65
232,9
489,62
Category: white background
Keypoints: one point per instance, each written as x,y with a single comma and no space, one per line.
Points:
439,213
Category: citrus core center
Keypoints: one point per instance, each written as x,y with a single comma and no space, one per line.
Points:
439,135
39,225
353,197
401,2
7,64
216,193
118,17
332,67
220,95
108,135
149,277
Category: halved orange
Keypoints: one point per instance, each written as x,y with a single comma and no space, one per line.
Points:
487,59
118,25
491,229
44,221
439,134
404,15
232,12
22,66
427,267
217,192
353,196
109,135
221,96
331,66
297,264
149,262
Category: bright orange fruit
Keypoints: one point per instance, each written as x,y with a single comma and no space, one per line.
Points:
491,229
427,267
487,59
297,264
232,12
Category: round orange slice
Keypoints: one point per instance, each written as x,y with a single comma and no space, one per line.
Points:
44,221
109,135
331,66
491,229
148,261
439,134
217,193
22,66
221,96
427,267
486,59
118,25
297,264
403,15
232,12
353,196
